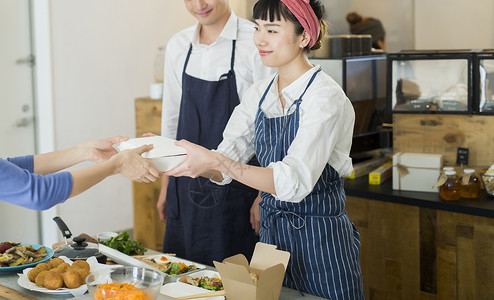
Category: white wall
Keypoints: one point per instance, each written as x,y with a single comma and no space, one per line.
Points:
102,59
454,24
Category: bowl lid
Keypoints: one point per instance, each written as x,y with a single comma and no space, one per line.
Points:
80,249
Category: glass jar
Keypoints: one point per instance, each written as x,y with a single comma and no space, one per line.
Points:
442,177
470,184
450,190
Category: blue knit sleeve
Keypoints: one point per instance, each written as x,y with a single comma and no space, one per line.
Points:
21,187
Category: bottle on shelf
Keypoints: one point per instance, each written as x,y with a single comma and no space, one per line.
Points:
450,190
470,184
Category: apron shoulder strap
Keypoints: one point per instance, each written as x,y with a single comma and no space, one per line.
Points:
187,58
266,92
310,82
233,54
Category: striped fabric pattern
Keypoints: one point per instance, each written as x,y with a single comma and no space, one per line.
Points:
323,242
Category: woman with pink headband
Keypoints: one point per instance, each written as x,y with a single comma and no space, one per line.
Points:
299,124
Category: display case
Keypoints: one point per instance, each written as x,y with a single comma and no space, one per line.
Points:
363,79
430,82
484,82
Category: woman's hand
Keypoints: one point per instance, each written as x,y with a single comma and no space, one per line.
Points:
198,162
102,149
132,165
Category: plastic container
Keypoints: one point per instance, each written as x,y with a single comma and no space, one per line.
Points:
450,190
147,283
470,184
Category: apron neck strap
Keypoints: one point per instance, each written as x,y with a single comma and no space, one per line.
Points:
310,82
266,91
233,54
187,58
190,51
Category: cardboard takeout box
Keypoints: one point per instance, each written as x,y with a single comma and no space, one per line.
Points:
267,263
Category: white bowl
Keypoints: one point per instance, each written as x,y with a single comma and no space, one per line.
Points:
105,236
166,163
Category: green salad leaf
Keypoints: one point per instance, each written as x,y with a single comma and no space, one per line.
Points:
122,243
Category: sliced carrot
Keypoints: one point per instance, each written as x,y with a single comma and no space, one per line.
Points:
120,291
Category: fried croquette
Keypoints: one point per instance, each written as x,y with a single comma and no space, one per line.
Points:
43,266
55,262
63,267
40,279
53,280
81,264
82,272
72,279
31,275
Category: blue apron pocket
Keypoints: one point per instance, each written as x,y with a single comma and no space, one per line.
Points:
206,194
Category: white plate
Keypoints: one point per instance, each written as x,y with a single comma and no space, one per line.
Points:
27,284
178,289
170,258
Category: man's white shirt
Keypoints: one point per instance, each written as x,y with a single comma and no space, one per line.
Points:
209,62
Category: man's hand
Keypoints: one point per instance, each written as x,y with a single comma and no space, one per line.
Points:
255,218
161,204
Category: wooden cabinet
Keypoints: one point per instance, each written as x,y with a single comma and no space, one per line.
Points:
148,227
411,252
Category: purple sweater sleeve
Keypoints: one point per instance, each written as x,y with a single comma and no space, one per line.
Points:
20,186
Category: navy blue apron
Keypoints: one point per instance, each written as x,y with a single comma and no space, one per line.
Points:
206,221
323,242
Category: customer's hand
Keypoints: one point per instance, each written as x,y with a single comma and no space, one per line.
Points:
101,149
132,165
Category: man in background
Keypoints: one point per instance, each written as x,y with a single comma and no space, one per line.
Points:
367,25
207,67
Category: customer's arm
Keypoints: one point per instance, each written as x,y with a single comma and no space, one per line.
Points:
128,163
96,150
21,186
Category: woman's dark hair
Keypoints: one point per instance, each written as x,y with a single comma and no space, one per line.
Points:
275,10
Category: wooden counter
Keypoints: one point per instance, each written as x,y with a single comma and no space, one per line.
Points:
416,246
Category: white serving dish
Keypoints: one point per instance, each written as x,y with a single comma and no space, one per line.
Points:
24,282
124,259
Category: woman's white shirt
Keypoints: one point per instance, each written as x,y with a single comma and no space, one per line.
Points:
324,134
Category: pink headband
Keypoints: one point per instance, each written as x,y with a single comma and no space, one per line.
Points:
304,13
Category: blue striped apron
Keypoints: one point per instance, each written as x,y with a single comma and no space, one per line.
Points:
323,242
